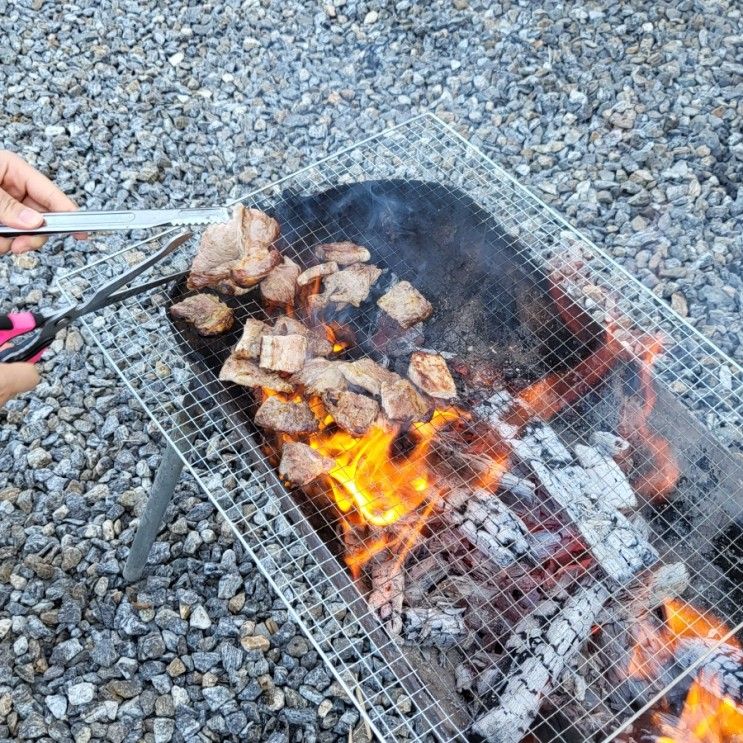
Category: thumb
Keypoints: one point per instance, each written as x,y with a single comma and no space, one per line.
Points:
14,214
16,378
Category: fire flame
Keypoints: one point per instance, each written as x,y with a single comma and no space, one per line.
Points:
370,477
708,715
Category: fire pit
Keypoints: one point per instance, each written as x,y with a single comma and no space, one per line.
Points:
546,554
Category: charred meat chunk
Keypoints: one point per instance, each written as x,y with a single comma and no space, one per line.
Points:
352,412
368,375
320,375
316,272
343,253
235,255
351,285
286,417
249,345
248,374
405,304
285,353
207,314
401,402
429,372
301,464
280,285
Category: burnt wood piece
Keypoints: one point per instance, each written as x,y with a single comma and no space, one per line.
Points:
618,547
388,591
590,497
721,667
489,525
207,314
539,650
428,626
652,588
236,255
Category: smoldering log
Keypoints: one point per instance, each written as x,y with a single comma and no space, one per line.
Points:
619,548
539,649
607,476
720,670
489,525
655,586
442,628
387,593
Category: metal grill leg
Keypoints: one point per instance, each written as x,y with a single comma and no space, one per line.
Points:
166,478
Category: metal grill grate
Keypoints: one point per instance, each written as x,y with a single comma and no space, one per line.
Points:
403,692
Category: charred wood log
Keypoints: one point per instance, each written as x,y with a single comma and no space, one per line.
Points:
539,650
387,593
442,628
619,548
489,525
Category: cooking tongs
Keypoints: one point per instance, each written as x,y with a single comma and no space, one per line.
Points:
137,219
19,324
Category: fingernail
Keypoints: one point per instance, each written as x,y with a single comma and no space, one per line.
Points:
30,218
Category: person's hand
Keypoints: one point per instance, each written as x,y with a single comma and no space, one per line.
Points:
24,194
16,378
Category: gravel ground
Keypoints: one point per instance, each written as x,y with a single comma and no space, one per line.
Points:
626,117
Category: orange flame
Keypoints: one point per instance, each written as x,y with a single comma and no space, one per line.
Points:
368,476
662,472
708,716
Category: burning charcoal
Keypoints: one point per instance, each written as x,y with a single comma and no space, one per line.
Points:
234,256
654,587
616,545
405,304
607,476
320,375
351,285
205,312
281,284
403,403
368,374
248,374
316,272
489,525
318,344
286,353
539,650
249,345
386,596
608,443
300,464
429,372
433,627
721,671
351,412
343,253
287,417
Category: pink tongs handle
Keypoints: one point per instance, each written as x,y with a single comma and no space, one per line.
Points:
19,323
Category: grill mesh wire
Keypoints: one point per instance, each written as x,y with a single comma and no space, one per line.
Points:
392,692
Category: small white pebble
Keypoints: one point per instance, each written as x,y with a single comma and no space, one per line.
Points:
176,59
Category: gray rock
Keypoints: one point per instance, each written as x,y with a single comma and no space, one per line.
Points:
57,705
81,693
